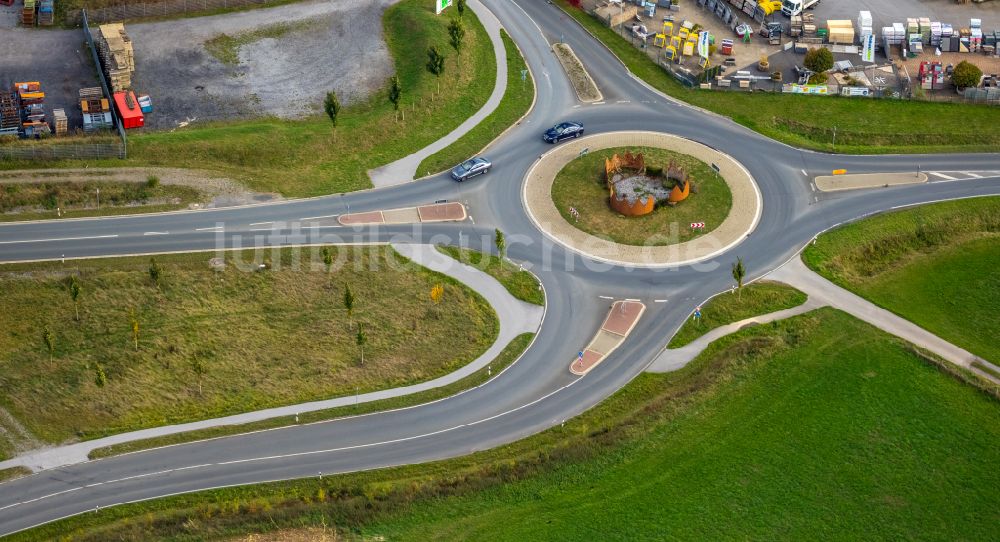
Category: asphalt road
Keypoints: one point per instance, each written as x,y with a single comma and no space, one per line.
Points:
538,391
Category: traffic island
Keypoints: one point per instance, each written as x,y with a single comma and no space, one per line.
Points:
567,195
834,183
438,212
620,321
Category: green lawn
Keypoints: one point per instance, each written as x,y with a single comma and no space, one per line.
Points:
761,297
508,355
863,126
934,265
213,343
521,284
46,200
517,99
582,185
817,427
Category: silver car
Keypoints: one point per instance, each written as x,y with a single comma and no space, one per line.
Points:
471,168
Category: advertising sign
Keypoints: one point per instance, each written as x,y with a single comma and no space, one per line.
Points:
703,44
809,89
439,5
868,54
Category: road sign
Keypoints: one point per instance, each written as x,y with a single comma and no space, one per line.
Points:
439,5
697,225
839,171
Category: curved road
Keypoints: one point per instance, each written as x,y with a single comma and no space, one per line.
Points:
538,391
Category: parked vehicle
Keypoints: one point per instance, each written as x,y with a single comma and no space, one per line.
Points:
471,168
796,7
561,131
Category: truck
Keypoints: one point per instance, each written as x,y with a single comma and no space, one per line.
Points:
796,7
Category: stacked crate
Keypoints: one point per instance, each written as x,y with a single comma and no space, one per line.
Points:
925,30
975,35
840,31
28,13
46,12
32,101
95,108
10,118
864,24
60,121
117,56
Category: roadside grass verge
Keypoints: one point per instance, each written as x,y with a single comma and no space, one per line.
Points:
311,157
218,342
521,284
517,100
581,185
758,298
863,126
45,200
13,473
818,416
509,354
935,265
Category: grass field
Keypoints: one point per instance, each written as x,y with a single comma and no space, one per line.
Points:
517,99
863,126
46,200
212,343
817,427
509,355
521,284
581,185
935,265
761,297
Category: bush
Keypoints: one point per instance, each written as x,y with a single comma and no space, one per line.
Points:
817,79
966,75
819,60
152,181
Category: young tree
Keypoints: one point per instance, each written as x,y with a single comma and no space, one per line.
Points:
327,258
501,244
155,272
50,340
739,272
74,292
435,64
332,106
819,60
135,330
100,377
457,33
437,292
460,6
349,303
200,370
361,339
395,92
966,75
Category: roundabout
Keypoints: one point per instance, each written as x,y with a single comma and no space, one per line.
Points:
658,248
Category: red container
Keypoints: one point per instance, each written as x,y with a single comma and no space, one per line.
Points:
128,110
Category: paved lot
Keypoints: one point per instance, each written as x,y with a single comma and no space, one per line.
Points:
885,12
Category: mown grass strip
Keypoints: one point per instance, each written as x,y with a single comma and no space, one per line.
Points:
804,418
65,199
13,473
863,126
517,101
509,354
521,284
761,297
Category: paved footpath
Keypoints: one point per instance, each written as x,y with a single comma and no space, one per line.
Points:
822,293
515,316
405,169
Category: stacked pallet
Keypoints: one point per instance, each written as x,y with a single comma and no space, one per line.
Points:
10,118
60,121
925,30
117,56
32,101
95,108
976,36
46,12
864,24
28,13
803,24
840,31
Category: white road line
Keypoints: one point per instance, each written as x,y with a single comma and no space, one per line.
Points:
575,106
605,297
156,233
659,301
318,217
261,223
213,228
263,229
813,186
974,175
804,172
59,239
623,102
942,175
597,103
631,299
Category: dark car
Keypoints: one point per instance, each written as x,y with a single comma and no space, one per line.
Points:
561,131
471,168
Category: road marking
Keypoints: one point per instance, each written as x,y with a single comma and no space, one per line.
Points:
623,102
214,228
575,106
59,239
974,175
264,229
156,233
660,301
261,223
942,175
318,217
473,220
605,297
631,299
804,172
597,103
812,185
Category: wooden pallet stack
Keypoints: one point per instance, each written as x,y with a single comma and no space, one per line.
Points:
10,117
96,109
117,56
28,13
60,121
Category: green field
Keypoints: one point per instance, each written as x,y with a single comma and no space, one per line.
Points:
521,284
817,427
213,343
517,99
582,185
761,297
863,126
935,265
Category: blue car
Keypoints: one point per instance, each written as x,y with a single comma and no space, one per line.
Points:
561,131
471,168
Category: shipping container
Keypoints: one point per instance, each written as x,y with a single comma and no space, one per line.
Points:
128,110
